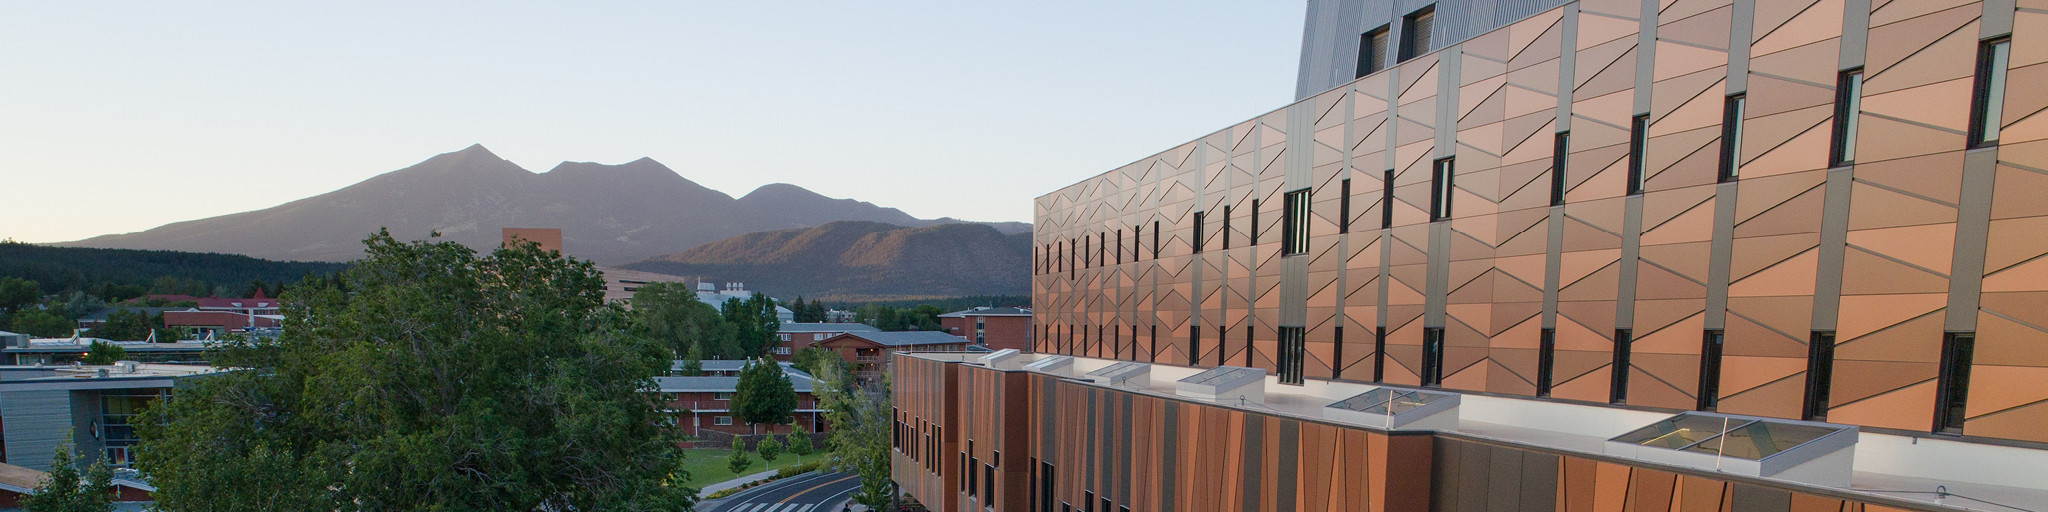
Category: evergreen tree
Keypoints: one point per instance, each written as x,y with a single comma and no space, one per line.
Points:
769,449
64,489
738,461
104,353
693,366
765,394
430,378
18,293
41,324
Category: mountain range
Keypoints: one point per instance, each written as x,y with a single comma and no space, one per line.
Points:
610,214
863,261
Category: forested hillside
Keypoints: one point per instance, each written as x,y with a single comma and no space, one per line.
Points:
57,269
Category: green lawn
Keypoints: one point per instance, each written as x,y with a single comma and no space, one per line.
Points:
707,465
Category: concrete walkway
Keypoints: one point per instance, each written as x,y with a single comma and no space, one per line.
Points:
736,482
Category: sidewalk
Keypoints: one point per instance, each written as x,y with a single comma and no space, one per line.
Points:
736,482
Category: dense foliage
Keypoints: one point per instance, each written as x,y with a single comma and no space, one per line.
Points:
891,318
753,323
57,269
100,352
428,378
65,489
764,394
810,312
862,422
669,313
813,359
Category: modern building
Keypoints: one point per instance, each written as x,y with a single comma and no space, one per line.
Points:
991,327
549,239
716,297
704,402
1567,264
799,335
221,322
620,284
95,405
63,351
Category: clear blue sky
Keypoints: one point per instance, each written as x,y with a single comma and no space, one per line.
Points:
122,117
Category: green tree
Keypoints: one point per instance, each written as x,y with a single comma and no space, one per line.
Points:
428,378
813,359
862,423
100,352
694,364
670,313
769,448
765,394
126,325
80,304
17,293
64,489
753,322
42,324
800,443
738,461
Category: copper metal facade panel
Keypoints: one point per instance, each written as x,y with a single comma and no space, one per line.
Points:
1494,274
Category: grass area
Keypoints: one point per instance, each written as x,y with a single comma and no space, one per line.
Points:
707,465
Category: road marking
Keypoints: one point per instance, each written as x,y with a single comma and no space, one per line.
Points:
816,487
807,508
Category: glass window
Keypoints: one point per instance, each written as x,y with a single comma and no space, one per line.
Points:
1295,229
1679,431
1957,355
1344,206
1710,370
1731,136
1372,51
1199,235
1559,161
1546,361
1623,339
1758,439
1433,356
1638,144
1820,370
1292,355
1387,200
1848,106
1989,96
721,420
1416,32
1440,188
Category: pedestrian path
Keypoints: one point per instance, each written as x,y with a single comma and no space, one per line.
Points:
736,482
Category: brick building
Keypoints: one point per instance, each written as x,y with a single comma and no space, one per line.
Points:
991,327
705,403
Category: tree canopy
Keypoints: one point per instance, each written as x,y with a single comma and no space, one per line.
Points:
862,425
428,377
765,394
753,323
65,489
670,313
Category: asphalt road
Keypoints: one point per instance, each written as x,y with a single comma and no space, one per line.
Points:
810,492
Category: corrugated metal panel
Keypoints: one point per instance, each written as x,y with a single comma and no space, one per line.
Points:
36,424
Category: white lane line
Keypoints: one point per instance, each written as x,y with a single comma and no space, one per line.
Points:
806,508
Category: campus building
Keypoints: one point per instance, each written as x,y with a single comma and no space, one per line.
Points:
1501,255
993,328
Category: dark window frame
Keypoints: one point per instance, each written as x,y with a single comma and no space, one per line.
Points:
1820,371
1546,361
1442,180
1372,58
1295,223
1712,343
1432,373
1337,354
1226,227
1560,160
1200,220
1624,347
1410,47
1733,109
1987,113
1379,354
1951,395
1293,358
1638,153
1848,107
1344,206
1387,201
1195,345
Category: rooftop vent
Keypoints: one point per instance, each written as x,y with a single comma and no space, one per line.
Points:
1005,359
1225,383
1055,365
1120,373
1393,408
1800,451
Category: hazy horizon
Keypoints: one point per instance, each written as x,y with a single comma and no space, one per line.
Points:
123,120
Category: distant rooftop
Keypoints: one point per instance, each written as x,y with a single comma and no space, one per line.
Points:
909,338
828,327
989,311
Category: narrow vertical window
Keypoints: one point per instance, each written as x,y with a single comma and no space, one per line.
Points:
1248,345
1416,29
1638,145
1337,355
1546,361
1294,228
1440,188
1848,106
1820,374
1372,51
1155,239
1988,109
1088,501
1710,370
1226,228
1255,222
1198,232
1731,137
1379,354
1623,339
1433,356
1387,201
1101,246
1152,356
1957,354
1559,161
1222,345
988,485
1195,345
1344,206
1137,248
1293,350
1119,246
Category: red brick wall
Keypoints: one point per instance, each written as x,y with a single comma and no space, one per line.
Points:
1001,332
